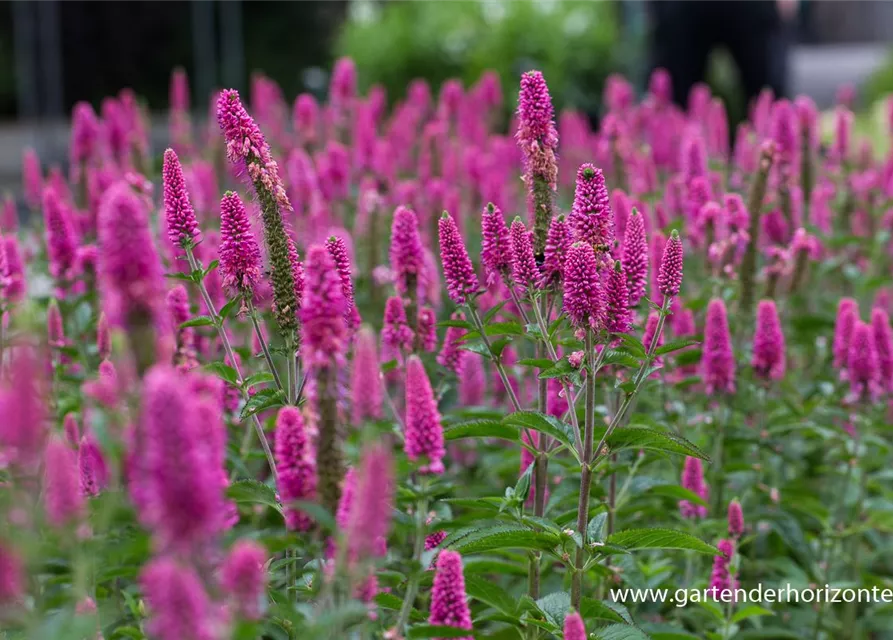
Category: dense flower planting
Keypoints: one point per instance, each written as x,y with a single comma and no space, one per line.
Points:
352,370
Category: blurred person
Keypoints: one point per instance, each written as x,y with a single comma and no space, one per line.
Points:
756,33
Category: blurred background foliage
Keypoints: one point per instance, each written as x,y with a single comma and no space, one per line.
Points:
575,44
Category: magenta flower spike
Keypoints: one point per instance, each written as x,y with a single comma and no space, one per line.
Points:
92,468
61,238
130,272
178,305
883,344
14,286
243,579
85,137
736,519
179,606
574,628
181,485
22,430
295,463
693,480
338,251
847,316
71,429
55,326
427,329
407,253
345,503
669,278
862,365
322,312
396,332
343,88
370,510
717,361
182,226
496,254
785,132
306,118
366,389
103,337
524,270
424,431
768,359
584,300
635,257
591,218
9,219
693,156
32,179
472,385
449,606
619,319
450,356
62,497
12,575
240,258
462,282
721,579
558,242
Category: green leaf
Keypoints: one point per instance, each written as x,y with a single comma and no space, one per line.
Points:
595,609
522,487
621,632
492,313
634,539
253,492
200,321
392,602
751,611
481,429
227,309
488,592
510,328
188,277
595,530
435,631
211,266
259,378
678,493
223,371
675,345
539,363
652,440
617,357
561,368
262,400
502,537
555,607
548,425
632,343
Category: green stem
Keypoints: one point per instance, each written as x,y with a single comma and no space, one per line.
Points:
497,361
252,312
418,548
586,474
218,323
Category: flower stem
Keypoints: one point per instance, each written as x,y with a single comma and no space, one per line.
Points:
252,312
418,547
497,361
586,474
218,323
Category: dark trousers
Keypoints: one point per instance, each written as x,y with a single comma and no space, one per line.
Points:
685,32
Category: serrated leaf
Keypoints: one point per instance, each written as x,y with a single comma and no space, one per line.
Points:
634,539
481,429
632,343
595,609
492,594
522,487
652,440
223,371
548,425
555,607
502,537
249,491
560,368
595,530
435,631
622,358
200,321
675,345
262,400
621,632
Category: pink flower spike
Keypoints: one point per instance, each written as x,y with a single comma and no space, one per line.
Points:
524,269
396,332
93,472
337,249
12,575
847,316
618,314
450,356
240,258
61,238
103,337
558,241
62,497
722,582
55,326
883,344
424,431
407,254
322,311
574,628
366,389
736,519
496,253
693,480
32,179
449,606
182,227
768,359
243,579
862,365
370,511
717,360
635,257
458,271
592,219
179,607
669,279
584,300
295,463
